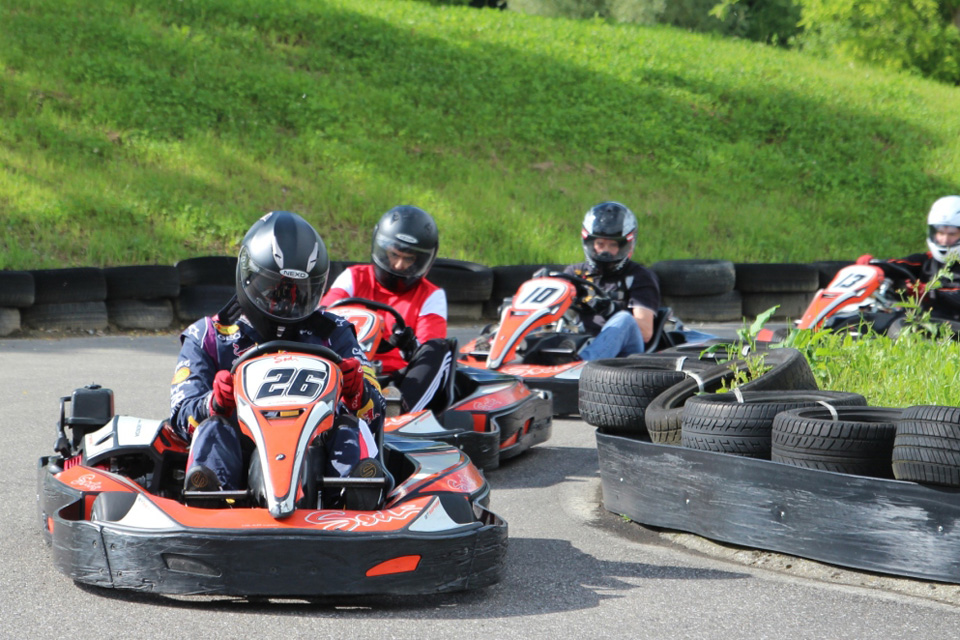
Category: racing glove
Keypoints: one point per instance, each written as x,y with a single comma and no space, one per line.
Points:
602,306
222,402
352,391
864,259
405,341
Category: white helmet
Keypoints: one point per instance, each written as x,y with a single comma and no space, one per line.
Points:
945,212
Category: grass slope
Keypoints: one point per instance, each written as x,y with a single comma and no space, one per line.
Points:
149,131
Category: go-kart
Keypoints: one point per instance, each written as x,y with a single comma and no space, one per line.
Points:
540,333
112,501
859,297
493,416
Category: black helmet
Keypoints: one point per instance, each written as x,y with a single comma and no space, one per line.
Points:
281,272
614,221
409,231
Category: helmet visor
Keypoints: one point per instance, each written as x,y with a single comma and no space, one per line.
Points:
288,296
400,258
606,249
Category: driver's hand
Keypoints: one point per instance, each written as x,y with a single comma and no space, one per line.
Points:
602,306
406,341
352,390
222,401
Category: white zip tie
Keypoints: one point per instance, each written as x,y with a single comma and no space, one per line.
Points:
829,406
698,379
680,362
738,394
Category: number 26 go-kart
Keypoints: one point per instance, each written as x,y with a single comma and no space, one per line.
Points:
113,507
492,417
540,333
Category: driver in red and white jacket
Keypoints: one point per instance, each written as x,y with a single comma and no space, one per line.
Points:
405,245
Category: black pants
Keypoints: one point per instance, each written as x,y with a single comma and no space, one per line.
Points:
425,382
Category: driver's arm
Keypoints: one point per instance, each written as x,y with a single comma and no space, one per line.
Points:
644,318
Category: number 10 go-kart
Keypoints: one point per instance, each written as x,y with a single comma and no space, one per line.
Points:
112,502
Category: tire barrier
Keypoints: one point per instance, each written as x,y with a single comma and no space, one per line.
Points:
614,393
927,446
865,523
741,422
789,371
789,287
854,440
697,290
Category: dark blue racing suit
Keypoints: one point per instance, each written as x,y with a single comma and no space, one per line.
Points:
210,345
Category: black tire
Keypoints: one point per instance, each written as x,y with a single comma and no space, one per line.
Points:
9,320
854,440
741,423
708,308
695,277
201,300
790,305
927,446
827,269
142,282
614,392
208,270
78,316
461,280
62,286
789,371
16,289
776,278
141,314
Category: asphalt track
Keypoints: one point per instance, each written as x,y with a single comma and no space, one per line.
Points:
574,570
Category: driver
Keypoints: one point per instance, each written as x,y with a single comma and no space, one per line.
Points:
624,322
281,273
943,241
418,361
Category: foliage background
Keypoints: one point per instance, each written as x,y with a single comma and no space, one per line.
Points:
150,131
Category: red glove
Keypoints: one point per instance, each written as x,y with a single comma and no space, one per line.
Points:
352,390
864,259
222,402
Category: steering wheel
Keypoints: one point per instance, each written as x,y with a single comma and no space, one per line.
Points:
889,268
372,304
275,346
579,282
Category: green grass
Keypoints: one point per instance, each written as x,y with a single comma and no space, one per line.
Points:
153,131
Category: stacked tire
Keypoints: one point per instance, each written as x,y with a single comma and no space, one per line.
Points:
141,296
927,446
789,287
16,293
206,284
73,299
699,290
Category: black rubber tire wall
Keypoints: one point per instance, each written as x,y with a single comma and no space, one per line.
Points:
78,316
16,289
614,393
461,280
790,370
858,441
61,286
695,277
741,423
927,445
142,282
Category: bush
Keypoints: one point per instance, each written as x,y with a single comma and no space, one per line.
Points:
910,35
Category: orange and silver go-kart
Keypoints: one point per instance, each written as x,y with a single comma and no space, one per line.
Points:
859,295
492,417
112,502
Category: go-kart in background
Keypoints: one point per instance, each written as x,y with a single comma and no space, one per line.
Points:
161,297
